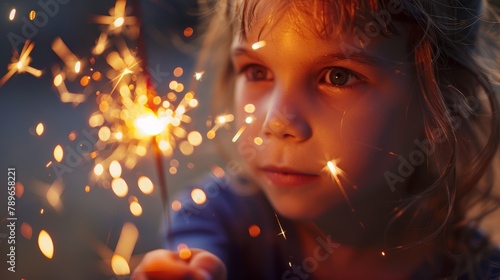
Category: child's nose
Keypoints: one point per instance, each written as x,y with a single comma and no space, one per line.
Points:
286,120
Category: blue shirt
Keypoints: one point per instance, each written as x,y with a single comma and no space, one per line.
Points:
222,223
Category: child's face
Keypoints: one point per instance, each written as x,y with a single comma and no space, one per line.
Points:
315,103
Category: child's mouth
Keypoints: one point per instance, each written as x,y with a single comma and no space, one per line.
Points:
286,177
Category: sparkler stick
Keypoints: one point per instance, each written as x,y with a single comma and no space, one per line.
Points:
150,87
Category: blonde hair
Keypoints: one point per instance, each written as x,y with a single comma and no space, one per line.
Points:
456,58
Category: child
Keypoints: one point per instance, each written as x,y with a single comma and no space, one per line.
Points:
370,130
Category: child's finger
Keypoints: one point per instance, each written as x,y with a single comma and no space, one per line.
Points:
208,265
162,264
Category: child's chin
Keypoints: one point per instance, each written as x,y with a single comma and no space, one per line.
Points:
297,212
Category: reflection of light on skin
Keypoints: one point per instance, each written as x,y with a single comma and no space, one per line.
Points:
21,64
124,248
335,171
282,232
45,244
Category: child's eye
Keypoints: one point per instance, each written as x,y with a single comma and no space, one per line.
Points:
340,77
256,73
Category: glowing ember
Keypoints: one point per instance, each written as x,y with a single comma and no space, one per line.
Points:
185,253
115,169
135,208
188,32
45,244
39,129
78,66
32,15
119,265
58,153
20,64
118,21
98,169
26,230
145,185
198,196
195,138
12,14
249,108
199,75
124,249
258,45
19,189
238,134
254,230
119,187
176,205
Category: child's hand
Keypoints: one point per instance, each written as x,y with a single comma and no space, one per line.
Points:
164,264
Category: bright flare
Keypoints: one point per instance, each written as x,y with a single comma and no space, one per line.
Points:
149,125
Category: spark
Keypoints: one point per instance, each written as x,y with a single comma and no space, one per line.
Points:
45,244
117,19
282,232
258,45
238,134
39,129
21,63
12,14
199,75
124,248
335,171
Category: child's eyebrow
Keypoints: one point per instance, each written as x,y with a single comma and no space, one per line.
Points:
359,57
